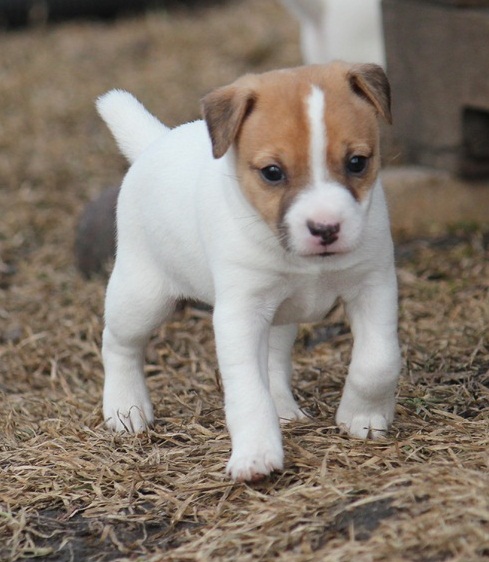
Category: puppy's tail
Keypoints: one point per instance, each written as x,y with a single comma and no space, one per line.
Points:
132,126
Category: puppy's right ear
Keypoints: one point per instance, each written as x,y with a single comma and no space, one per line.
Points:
224,111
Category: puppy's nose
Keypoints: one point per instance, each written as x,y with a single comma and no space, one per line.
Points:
327,232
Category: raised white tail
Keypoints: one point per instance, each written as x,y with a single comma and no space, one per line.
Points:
132,126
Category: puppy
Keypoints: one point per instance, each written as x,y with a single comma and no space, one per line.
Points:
269,209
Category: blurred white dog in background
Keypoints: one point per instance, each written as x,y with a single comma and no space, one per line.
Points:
350,30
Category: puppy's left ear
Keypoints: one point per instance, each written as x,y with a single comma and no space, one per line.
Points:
224,111
370,82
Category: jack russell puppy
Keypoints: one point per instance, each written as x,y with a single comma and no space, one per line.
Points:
270,209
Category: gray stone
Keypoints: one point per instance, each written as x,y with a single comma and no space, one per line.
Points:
439,72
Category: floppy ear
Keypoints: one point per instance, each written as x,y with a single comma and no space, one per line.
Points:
370,82
224,111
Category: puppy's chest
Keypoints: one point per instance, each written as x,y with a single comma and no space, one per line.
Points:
307,300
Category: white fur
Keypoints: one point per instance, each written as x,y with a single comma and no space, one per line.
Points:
133,127
319,143
350,30
185,229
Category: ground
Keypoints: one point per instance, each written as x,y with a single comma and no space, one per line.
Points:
69,489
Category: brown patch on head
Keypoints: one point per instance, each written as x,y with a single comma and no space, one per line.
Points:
355,96
276,133
266,117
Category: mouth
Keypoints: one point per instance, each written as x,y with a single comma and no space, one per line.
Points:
314,255
325,254
307,254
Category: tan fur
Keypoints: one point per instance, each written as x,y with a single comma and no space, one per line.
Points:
275,132
266,116
352,129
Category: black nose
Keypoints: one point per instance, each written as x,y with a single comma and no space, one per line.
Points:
327,232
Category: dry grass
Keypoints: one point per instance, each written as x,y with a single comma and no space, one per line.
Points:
69,490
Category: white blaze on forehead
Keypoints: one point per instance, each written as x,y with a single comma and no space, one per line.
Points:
316,105
325,201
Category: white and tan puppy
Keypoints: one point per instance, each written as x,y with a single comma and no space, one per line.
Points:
270,209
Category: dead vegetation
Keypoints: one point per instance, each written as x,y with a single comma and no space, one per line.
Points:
70,490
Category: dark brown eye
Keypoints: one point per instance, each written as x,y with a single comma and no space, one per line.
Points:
356,165
272,174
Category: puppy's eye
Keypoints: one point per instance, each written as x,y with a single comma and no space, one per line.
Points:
356,165
273,174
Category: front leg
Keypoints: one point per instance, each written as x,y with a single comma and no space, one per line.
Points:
242,328
368,401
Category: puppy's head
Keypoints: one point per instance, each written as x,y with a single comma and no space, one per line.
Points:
307,149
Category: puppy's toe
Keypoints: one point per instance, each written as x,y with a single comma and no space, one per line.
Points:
378,427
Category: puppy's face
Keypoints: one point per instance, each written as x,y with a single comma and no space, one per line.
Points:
307,149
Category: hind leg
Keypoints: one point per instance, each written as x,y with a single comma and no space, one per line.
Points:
280,372
136,304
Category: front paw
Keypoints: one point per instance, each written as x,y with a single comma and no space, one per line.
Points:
254,464
128,411
365,419
373,426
